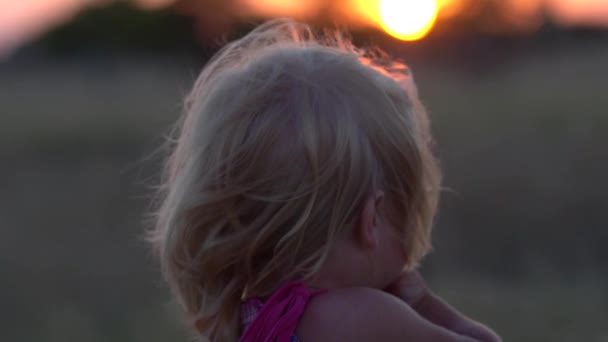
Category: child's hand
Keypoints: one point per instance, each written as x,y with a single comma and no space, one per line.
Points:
409,287
412,289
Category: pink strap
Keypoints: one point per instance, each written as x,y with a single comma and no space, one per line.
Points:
278,318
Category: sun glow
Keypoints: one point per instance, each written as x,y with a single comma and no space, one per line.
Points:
24,20
407,19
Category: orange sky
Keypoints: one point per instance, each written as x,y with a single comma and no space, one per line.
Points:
23,20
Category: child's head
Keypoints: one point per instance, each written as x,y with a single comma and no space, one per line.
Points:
290,146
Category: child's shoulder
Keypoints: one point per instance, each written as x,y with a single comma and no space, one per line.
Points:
365,314
349,314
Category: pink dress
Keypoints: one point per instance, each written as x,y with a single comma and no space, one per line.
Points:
275,320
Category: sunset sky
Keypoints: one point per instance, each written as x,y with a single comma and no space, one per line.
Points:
24,20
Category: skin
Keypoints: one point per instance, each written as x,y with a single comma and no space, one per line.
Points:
412,289
370,298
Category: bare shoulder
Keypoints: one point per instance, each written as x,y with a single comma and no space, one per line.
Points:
365,314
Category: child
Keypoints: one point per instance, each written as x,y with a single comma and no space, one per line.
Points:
299,197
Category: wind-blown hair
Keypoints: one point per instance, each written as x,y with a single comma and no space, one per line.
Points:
284,135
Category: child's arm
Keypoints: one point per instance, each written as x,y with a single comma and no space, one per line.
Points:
441,313
368,315
361,314
412,289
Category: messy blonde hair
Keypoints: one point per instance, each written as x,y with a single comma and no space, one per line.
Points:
285,134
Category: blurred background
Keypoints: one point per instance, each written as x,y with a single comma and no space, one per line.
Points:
516,90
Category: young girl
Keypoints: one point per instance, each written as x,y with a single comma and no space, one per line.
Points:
299,197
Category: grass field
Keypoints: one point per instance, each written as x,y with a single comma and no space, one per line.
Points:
520,241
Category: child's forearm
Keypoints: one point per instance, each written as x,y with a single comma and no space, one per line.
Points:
436,310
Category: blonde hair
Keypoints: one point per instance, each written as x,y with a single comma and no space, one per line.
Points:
284,135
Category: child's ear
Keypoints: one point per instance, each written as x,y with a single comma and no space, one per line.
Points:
369,220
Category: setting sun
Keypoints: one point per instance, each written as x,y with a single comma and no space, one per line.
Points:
407,19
